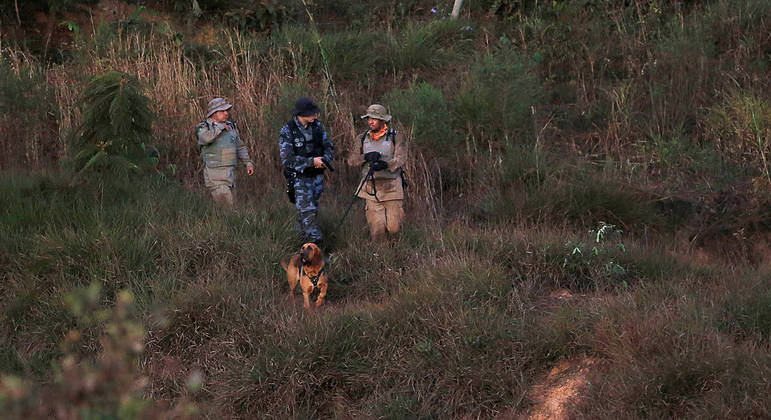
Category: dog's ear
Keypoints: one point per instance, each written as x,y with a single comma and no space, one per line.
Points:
315,255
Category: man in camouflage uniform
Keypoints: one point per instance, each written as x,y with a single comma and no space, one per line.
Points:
305,147
384,150
221,148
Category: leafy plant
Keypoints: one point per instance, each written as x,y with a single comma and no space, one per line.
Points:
108,386
595,263
116,127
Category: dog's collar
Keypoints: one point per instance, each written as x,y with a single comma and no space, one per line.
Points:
314,279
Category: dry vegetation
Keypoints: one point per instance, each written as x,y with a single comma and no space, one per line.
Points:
589,181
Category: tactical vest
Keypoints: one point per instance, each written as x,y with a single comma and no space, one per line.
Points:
307,148
224,150
386,147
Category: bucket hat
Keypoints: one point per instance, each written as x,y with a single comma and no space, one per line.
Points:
305,107
217,104
377,112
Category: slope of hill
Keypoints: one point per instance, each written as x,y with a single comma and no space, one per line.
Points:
589,193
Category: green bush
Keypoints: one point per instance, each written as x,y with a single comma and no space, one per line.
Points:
116,125
422,109
496,103
430,45
594,264
355,56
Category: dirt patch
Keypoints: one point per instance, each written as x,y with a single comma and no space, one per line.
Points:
561,294
559,388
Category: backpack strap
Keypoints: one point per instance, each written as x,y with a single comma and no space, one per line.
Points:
361,146
391,133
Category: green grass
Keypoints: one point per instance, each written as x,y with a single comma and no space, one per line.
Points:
532,126
447,324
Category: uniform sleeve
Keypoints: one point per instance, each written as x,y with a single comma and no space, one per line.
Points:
207,133
243,152
355,155
400,153
288,157
329,147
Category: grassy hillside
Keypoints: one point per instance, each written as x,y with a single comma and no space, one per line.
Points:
589,181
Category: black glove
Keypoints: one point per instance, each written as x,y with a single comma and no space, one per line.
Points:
371,156
378,165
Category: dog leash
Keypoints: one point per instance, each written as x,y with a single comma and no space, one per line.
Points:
370,175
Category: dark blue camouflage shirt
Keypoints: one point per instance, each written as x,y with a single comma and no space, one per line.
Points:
299,163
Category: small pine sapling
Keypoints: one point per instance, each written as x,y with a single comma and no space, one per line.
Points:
116,125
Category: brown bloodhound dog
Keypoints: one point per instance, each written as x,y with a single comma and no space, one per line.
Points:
307,268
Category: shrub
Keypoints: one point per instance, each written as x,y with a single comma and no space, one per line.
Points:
595,264
109,385
422,109
116,127
498,98
355,56
430,45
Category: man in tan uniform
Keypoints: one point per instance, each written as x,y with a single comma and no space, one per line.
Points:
221,149
384,150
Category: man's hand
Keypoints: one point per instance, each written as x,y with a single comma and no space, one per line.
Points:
318,163
250,169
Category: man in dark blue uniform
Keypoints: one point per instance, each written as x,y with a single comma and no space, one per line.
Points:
305,147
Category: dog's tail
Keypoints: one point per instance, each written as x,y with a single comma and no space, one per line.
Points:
285,263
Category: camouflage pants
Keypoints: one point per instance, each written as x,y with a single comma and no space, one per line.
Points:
308,192
220,183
